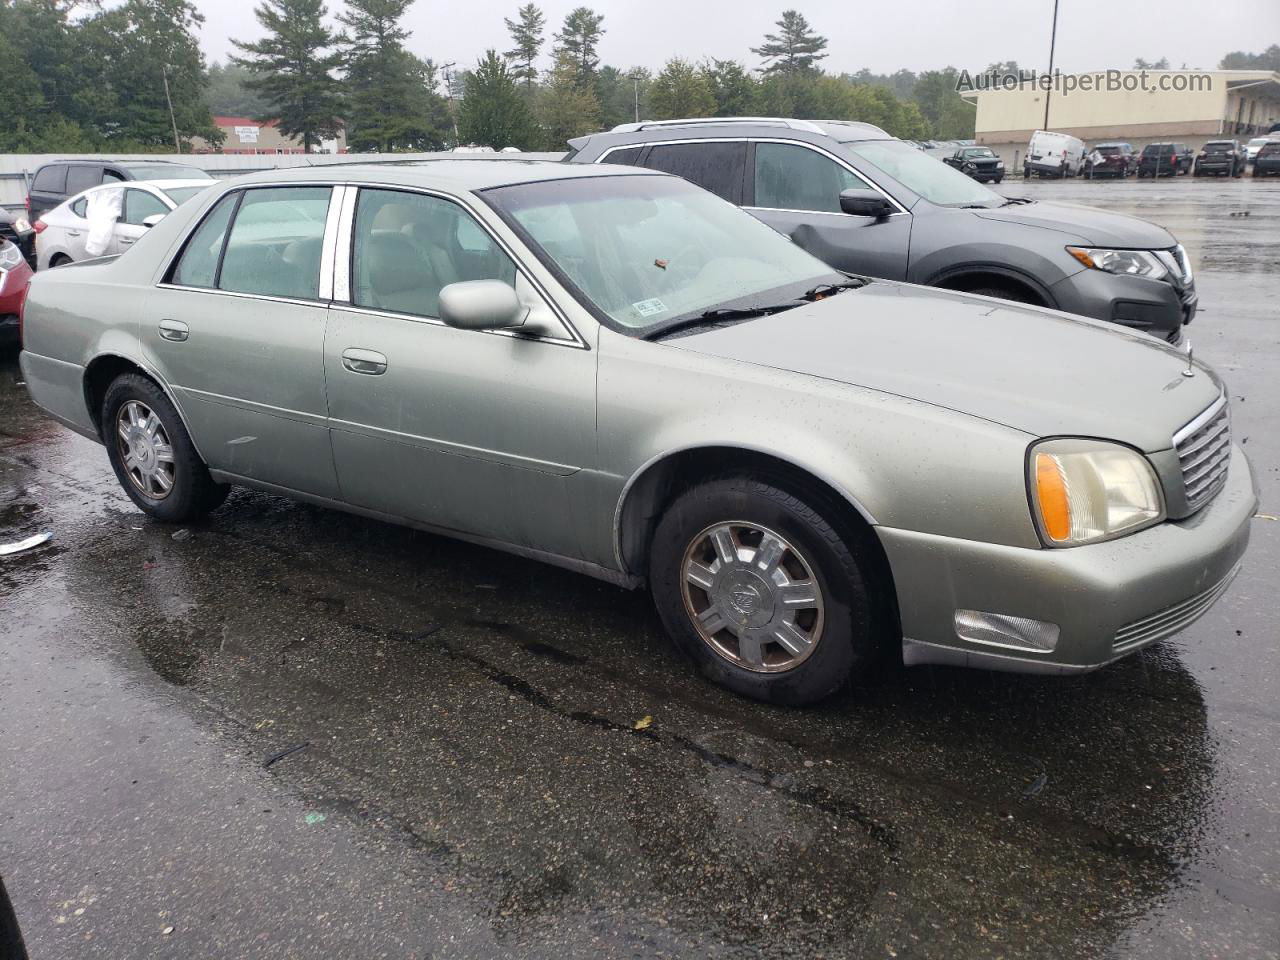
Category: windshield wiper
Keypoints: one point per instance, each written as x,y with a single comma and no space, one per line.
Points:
714,317
1014,201
824,290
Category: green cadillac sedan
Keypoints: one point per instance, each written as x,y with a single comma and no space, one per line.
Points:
611,370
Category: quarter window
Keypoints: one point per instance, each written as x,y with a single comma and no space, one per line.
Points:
409,246
80,207
717,167
139,204
791,177
198,266
627,155
52,179
275,243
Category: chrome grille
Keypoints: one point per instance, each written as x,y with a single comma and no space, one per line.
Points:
1169,621
1204,452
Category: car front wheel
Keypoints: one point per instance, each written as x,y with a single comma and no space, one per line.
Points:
759,588
152,453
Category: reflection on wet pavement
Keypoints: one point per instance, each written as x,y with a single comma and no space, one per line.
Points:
474,782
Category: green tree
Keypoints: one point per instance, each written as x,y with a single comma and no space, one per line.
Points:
950,116
1268,59
388,104
1161,64
577,42
150,74
228,92
795,48
733,87
526,42
293,68
566,108
618,92
23,107
681,90
494,113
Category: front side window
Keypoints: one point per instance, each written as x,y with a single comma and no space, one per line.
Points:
717,167
922,174
647,251
139,204
409,246
275,243
792,177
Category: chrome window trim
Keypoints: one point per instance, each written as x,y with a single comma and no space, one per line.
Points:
340,263
342,270
901,210
214,291
331,220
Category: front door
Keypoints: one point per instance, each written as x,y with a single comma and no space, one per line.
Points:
797,192
479,432
237,331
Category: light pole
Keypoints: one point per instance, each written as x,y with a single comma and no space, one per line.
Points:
448,91
1053,40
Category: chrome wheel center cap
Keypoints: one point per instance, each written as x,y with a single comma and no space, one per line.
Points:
744,597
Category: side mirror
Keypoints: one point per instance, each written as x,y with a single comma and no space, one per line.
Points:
481,305
152,220
865,203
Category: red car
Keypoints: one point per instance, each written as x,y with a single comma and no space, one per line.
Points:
14,277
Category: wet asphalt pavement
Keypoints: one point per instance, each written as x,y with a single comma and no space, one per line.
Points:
473,783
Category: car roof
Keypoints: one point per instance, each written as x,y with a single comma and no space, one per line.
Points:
470,174
843,131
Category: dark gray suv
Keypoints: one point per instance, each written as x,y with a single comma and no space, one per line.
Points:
870,204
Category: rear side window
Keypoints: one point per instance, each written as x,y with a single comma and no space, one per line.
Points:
792,177
275,243
80,207
717,167
627,155
51,179
82,178
198,266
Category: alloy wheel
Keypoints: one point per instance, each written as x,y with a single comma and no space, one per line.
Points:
145,450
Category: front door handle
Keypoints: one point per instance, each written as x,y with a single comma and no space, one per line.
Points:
368,362
174,330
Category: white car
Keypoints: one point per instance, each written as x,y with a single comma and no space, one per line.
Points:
63,232
1257,143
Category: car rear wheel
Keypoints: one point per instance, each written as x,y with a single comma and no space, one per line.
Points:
152,453
58,260
759,588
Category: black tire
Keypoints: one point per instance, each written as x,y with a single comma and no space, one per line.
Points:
841,565
58,260
999,179
193,493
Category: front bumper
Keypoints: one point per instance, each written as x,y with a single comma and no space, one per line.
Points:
1156,307
1108,599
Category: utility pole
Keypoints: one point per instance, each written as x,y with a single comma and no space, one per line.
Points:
1053,41
448,90
635,79
164,73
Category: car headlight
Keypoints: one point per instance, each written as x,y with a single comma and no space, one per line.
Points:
10,256
1084,491
1131,263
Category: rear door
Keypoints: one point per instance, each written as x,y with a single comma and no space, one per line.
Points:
47,189
715,165
237,331
795,188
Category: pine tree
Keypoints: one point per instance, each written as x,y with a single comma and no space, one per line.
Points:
493,112
733,87
389,105
795,48
681,90
526,40
566,108
293,68
577,41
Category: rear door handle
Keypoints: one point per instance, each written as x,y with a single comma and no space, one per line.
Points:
368,362
174,330
125,241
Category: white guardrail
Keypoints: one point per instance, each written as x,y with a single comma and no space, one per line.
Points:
17,169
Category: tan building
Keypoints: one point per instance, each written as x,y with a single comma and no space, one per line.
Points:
1140,107
246,136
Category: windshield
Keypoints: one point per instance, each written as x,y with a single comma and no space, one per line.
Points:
925,175
978,152
647,250
181,195
168,171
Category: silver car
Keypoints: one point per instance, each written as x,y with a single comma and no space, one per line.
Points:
613,370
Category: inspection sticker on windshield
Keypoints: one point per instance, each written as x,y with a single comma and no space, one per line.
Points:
647,308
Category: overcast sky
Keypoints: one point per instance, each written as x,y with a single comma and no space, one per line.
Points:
916,34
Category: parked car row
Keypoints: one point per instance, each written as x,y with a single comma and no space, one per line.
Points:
606,367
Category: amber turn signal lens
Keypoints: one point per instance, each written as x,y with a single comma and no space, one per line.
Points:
1051,494
1082,256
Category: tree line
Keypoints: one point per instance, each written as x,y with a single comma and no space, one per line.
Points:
132,78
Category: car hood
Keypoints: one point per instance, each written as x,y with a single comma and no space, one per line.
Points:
1039,371
1086,225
